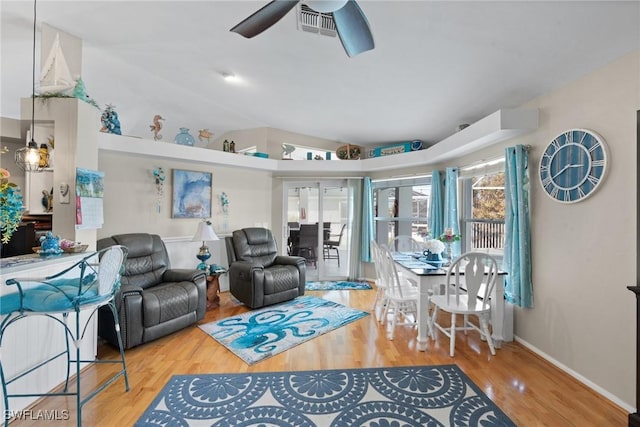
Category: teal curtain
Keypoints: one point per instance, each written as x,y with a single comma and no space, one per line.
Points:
517,248
451,207
367,220
435,206
355,227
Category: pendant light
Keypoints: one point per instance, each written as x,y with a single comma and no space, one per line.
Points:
28,158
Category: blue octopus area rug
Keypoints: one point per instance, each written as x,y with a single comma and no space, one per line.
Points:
332,286
374,397
258,334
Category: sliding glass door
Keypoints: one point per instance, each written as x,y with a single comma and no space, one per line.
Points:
318,218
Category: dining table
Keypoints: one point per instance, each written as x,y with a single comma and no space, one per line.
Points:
430,278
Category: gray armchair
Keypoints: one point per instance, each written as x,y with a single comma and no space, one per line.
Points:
258,276
154,300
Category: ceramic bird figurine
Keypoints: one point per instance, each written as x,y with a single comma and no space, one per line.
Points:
156,126
204,134
47,200
110,121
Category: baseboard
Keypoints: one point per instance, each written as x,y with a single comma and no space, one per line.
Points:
595,387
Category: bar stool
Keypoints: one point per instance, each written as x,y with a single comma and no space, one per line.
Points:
85,286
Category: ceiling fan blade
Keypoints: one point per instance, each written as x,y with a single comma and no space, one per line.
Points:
264,18
353,29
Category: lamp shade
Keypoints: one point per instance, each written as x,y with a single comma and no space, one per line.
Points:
28,158
204,233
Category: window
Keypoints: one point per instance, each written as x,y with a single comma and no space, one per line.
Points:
401,208
483,212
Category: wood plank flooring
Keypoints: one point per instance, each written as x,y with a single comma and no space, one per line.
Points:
528,389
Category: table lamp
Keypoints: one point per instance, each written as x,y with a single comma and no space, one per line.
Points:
204,233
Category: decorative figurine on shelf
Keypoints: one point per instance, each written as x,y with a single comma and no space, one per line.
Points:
349,152
184,138
44,156
156,127
159,177
225,146
287,149
204,134
47,200
110,121
80,92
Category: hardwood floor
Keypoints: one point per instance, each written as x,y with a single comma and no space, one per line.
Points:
528,389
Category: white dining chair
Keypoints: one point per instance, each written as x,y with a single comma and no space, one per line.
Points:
380,301
468,285
401,295
405,243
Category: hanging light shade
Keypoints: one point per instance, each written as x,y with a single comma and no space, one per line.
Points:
28,158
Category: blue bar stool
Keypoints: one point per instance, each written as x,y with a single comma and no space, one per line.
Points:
85,286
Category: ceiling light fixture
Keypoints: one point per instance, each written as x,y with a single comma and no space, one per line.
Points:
28,158
230,77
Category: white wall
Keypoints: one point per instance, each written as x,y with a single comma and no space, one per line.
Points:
584,254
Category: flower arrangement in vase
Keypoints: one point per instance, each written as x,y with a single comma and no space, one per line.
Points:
448,237
10,206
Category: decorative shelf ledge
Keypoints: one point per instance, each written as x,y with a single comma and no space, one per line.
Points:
499,126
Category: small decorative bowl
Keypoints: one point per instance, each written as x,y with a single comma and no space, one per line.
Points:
75,249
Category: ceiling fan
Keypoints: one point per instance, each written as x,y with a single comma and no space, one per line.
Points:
351,24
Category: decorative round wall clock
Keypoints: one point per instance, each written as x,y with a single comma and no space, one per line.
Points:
573,165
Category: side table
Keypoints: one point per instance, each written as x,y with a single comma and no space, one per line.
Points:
213,289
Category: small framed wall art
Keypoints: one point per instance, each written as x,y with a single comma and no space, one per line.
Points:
191,194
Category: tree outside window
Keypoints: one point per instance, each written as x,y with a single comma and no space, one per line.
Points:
484,215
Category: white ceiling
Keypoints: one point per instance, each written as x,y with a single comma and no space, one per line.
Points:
435,64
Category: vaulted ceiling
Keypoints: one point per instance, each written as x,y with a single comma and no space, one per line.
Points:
435,64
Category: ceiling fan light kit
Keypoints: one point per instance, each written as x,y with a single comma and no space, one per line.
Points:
351,23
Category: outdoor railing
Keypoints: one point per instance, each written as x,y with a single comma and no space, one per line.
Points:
486,234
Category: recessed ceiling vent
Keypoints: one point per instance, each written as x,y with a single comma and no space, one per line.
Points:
316,22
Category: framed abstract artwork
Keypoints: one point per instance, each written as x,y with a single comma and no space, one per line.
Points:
191,194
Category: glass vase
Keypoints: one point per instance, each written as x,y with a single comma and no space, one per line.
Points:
184,138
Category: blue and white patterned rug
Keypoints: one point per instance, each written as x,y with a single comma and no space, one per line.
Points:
332,286
258,334
397,396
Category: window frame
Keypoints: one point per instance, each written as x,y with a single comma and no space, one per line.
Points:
388,221
491,167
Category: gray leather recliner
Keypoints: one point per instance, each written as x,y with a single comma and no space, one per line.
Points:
258,276
154,300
